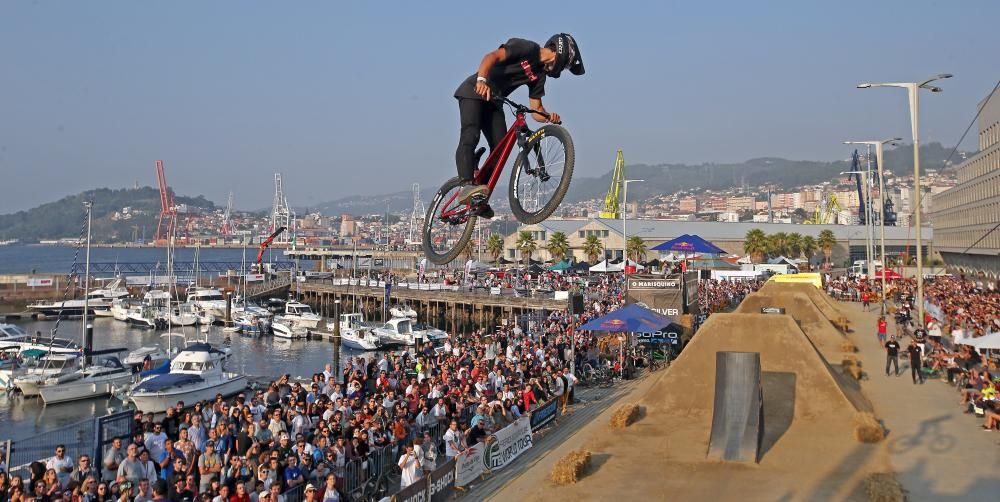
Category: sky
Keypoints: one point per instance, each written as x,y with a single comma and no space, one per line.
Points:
355,98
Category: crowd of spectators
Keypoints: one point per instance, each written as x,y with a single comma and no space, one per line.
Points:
721,295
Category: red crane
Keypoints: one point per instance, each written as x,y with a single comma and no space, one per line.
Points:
167,208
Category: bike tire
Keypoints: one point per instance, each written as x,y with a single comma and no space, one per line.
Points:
524,162
445,255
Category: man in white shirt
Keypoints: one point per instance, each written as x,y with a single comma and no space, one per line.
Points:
453,441
62,464
155,441
409,463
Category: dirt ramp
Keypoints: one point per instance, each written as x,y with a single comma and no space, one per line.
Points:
800,307
822,301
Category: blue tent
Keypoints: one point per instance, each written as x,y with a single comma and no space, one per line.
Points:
688,243
630,319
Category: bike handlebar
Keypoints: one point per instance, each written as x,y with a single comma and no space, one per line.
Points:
519,108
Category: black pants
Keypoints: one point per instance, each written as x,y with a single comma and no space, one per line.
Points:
915,371
891,360
477,116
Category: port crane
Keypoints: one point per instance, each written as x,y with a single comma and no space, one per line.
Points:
226,225
612,207
165,224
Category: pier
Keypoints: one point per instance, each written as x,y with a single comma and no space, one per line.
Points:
451,308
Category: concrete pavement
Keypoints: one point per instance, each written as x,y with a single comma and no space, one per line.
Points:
938,452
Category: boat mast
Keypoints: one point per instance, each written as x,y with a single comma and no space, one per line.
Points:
87,341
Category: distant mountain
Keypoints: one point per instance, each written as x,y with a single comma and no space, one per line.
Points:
65,217
670,178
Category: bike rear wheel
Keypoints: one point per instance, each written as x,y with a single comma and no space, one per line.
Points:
542,173
448,225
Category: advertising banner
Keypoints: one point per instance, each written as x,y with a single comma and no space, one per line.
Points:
417,492
544,414
441,482
469,465
660,294
39,282
507,444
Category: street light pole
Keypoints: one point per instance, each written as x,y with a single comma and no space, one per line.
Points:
880,164
624,220
912,90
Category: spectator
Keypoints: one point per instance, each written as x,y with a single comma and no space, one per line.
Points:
62,464
892,355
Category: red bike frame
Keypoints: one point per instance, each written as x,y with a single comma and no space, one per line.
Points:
493,165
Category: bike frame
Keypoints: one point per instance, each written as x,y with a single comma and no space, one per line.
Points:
494,164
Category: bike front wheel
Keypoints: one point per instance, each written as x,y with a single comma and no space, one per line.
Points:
542,173
448,225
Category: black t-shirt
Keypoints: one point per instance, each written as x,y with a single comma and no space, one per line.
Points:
915,353
892,347
476,433
523,66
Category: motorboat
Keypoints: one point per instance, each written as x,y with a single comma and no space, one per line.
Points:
302,314
146,317
355,333
397,331
14,363
95,380
205,318
120,307
252,320
289,329
208,299
430,333
402,310
98,302
196,374
55,368
137,359
156,298
13,337
183,314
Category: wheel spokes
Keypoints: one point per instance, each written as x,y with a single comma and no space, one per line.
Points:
543,172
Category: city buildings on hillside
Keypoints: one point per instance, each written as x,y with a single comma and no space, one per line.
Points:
967,216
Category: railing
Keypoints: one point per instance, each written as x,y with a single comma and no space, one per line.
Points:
481,291
268,287
86,437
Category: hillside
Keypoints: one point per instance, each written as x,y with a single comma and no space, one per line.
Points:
669,178
65,217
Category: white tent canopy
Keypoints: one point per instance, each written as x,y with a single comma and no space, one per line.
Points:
605,267
990,341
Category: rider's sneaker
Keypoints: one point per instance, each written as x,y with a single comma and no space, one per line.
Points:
483,211
469,190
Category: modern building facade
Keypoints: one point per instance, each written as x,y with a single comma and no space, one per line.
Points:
966,217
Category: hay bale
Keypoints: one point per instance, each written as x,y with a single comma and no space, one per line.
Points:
570,469
625,415
848,347
856,372
867,428
883,487
842,324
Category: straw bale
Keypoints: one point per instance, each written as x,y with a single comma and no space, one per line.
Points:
867,428
570,469
883,487
625,415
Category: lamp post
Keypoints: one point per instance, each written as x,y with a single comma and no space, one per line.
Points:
624,233
912,91
880,164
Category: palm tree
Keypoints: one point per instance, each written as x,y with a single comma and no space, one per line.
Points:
795,244
558,245
779,243
494,246
755,244
808,246
526,243
593,248
826,242
636,248
469,250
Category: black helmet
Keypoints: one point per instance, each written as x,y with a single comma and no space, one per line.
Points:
567,55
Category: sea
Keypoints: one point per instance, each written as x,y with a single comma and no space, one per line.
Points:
42,259
259,358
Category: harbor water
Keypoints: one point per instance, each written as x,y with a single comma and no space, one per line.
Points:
264,358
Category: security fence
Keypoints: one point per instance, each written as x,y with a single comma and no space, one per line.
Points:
86,437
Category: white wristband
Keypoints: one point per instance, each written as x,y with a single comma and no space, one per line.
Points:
481,79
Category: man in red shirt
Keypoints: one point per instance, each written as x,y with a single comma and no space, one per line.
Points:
866,299
882,328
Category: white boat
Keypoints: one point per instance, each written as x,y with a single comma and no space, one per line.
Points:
120,307
355,333
208,299
52,367
252,320
98,302
288,329
146,317
430,333
156,355
196,374
397,331
13,337
302,315
183,314
402,310
205,318
95,380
